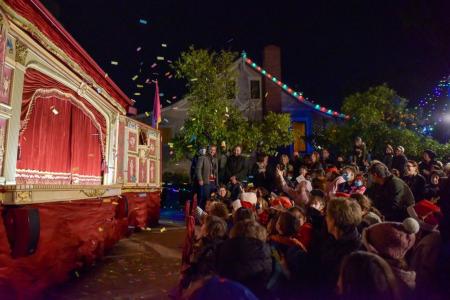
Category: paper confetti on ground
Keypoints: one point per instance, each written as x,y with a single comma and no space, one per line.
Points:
160,58
115,63
164,45
163,229
143,21
135,77
148,229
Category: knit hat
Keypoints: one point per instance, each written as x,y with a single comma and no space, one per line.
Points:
249,197
426,213
391,239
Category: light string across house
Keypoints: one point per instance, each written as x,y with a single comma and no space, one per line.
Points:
290,91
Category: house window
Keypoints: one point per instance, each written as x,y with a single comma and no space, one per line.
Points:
255,89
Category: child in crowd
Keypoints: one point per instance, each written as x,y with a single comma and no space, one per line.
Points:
246,257
392,240
304,233
370,215
364,275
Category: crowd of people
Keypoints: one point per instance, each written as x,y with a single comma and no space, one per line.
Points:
320,226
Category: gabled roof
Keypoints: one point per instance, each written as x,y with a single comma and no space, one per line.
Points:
296,95
41,19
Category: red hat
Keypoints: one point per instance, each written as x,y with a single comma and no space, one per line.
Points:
343,195
426,213
391,239
332,170
283,201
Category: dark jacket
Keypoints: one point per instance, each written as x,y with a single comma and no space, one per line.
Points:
427,166
431,191
392,198
326,260
236,166
206,166
247,261
417,185
222,162
260,175
399,163
387,160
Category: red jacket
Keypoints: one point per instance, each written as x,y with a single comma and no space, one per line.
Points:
304,235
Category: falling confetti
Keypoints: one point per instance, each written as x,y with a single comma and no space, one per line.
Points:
161,94
154,65
138,49
164,45
137,94
140,86
160,58
147,114
167,74
54,110
143,21
169,61
170,76
115,63
135,77
267,93
194,79
165,120
174,97
168,101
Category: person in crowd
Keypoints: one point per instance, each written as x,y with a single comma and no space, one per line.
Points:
427,164
360,155
399,160
342,238
207,174
365,275
349,175
358,185
425,253
259,171
325,159
235,188
340,162
287,168
392,241
432,189
223,195
243,214
296,163
414,180
304,233
246,257
286,228
222,162
370,215
303,171
388,156
390,194
212,234
236,165
220,210
315,161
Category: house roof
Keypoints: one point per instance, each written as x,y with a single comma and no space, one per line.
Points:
35,13
291,92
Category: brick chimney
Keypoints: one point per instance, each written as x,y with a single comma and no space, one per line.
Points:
272,64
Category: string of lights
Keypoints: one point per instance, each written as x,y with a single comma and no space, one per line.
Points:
298,95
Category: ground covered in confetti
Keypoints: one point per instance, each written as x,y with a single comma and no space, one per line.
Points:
144,266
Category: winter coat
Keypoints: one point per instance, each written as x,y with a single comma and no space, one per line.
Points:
222,162
417,185
259,173
236,166
245,260
327,258
304,235
399,163
431,191
207,166
392,198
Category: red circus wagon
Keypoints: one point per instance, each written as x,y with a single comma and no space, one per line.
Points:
75,172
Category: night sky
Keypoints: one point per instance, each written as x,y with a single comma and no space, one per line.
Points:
329,48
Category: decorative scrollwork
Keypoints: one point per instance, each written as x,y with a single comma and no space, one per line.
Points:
94,193
21,52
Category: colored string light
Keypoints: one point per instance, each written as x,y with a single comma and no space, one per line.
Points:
290,91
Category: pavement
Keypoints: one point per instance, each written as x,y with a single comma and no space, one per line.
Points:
144,266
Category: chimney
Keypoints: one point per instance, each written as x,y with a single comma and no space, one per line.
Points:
272,64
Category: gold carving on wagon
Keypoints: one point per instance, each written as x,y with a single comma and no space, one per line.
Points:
21,52
23,197
94,193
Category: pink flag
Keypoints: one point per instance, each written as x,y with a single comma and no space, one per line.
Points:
156,108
